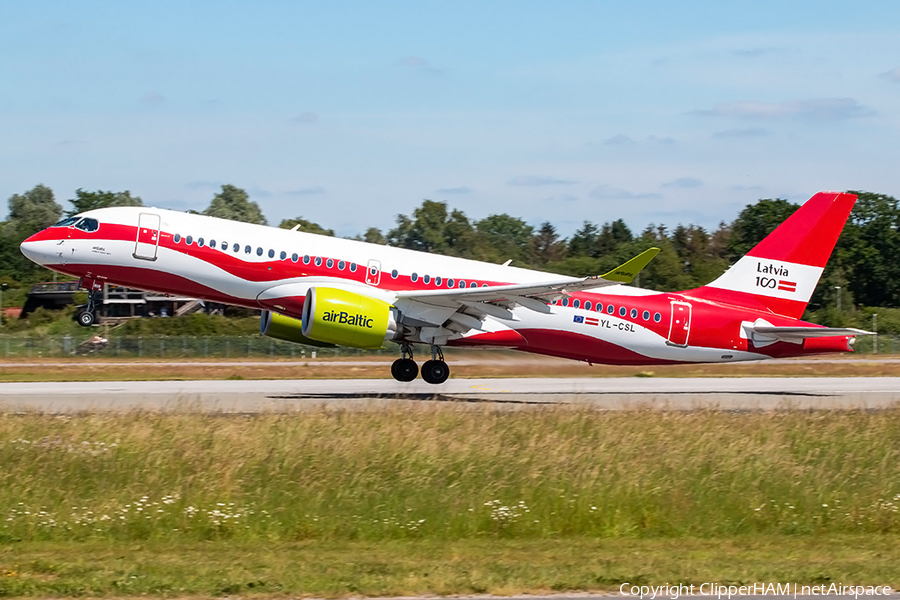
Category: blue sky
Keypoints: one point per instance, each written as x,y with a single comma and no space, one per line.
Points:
348,113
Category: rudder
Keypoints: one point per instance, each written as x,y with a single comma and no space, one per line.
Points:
781,272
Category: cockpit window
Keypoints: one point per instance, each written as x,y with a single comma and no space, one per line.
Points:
67,222
88,224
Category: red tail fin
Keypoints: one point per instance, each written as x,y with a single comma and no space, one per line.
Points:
781,272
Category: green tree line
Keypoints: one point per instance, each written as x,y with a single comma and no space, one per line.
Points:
864,269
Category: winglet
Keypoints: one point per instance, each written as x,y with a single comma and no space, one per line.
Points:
627,272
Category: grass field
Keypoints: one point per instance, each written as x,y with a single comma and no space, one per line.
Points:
440,499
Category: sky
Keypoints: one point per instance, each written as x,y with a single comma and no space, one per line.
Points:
349,113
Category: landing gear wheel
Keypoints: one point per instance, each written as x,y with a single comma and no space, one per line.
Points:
435,371
85,318
404,369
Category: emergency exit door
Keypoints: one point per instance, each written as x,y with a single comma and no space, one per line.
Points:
147,237
679,323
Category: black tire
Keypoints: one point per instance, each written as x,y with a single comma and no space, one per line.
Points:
435,371
404,369
85,318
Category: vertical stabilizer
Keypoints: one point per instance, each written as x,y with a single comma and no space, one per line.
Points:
781,272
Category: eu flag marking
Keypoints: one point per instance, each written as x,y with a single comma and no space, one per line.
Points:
578,319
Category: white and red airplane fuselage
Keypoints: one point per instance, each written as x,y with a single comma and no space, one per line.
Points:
752,312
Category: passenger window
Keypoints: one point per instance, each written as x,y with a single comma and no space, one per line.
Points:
611,309
295,257
318,261
189,240
437,281
247,249
212,243
414,277
599,307
587,305
482,285
283,255
341,265
306,259
353,267
177,238
329,263
271,253
426,279
462,283
657,317
565,301
473,284
623,311
450,283
395,274
646,315
224,246
259,251
634,313
200,242
237,248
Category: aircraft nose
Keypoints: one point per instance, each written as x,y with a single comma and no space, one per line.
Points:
34,249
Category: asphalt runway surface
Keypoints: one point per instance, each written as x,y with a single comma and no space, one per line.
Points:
250,396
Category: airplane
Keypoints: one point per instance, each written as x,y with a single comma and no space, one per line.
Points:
321,290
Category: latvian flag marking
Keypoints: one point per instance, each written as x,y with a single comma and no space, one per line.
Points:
787,286
591,321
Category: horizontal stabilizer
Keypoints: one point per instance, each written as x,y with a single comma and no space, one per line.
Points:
763,333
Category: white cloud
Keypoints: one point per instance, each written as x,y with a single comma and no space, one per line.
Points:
310,191
463,189
537,180
623,140
607,192
307,117
561,198
819,109
741,133
683,182
893,75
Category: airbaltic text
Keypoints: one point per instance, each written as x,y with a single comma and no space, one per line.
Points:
345,318
673,592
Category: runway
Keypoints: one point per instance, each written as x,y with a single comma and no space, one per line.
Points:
250,396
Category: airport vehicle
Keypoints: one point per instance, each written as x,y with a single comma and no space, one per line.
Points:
322,290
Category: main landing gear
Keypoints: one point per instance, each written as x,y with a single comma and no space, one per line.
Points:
433,371
87,315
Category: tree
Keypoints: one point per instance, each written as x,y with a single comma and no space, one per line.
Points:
546,246
584,241
305,226
431,229
85,201
29,213
33,210
373,236
233,203
755,222
503,237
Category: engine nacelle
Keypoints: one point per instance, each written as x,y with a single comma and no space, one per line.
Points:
346,318
288,329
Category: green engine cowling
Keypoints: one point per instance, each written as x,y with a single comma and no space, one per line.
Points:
288,329
346,318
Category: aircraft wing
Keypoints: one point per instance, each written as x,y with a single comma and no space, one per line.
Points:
467,306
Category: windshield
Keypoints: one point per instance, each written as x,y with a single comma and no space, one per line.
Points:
88,224
67,222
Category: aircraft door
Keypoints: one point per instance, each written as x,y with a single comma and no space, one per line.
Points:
147,237
679,324
373,272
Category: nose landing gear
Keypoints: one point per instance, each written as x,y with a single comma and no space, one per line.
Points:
433,371
87,315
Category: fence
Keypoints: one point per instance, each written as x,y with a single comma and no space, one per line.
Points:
241,347
167,347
